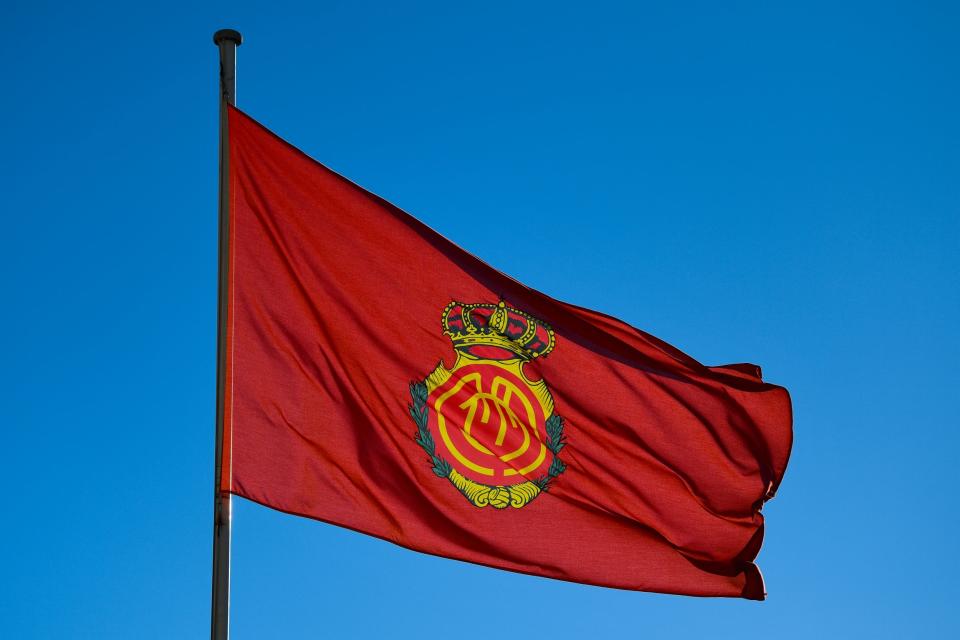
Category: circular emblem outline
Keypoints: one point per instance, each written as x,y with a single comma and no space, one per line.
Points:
477,398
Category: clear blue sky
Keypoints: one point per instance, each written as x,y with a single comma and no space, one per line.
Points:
750,183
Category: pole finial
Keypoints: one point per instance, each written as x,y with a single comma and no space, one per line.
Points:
229,35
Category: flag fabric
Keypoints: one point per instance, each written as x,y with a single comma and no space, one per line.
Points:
381,378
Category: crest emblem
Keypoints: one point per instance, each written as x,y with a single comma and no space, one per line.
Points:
486,427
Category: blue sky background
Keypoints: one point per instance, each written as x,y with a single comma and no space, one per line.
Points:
753,182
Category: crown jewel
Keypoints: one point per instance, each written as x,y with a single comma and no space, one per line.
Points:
496,331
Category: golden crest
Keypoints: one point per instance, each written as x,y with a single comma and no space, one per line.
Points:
490,430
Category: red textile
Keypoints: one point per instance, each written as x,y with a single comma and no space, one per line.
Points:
340,308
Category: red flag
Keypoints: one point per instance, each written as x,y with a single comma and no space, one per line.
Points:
382,379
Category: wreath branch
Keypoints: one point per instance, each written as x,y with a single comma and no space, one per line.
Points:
555,443
418,411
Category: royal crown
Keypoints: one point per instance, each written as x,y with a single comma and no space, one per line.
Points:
496,331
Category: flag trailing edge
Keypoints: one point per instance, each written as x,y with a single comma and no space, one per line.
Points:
382,379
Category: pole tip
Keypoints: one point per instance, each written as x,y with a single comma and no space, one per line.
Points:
227,35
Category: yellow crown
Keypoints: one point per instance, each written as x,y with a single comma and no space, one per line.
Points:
496,331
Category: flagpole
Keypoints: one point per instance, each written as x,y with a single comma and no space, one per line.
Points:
227,40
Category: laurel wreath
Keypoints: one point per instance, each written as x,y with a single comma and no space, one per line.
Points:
556,441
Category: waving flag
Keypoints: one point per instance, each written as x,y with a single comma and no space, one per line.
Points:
382,379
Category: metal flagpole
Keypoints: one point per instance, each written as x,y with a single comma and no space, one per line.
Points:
227,40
